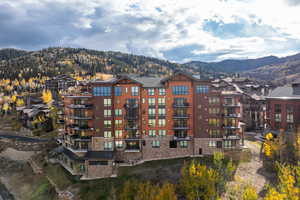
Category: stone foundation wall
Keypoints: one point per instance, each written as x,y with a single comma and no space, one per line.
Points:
202,143
164,151
99,171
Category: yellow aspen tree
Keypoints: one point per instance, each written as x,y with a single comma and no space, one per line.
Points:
20,102
249,193
166,192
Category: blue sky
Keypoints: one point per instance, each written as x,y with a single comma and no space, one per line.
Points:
176,30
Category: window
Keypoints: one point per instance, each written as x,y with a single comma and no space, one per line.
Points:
161,101
161,123
213,122
155,144
161,111
180,90
162,91
151,122
289,108
173,144
107,134
212,143
214,133
118,112
183,144
102,91
107,102
118,91
135,91
278,117
108,145
214,100
290,126
118,123
229,122
290,118
107,113
228,144
228,101
151,111
214,111
118,133
152,133
277,108
162,133
102,162
151,91
201,89
107,123
151,102
119,144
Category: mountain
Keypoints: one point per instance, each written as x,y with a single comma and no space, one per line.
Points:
56,60
285,72
236,65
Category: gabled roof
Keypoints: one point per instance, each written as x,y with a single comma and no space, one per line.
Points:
149,82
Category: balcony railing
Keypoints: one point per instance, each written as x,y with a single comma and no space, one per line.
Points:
181,105
151,106
186,137
80,117
131,105
232,104
180,127
230,126
78,127
131,127
180,116
233,137
231,115
161,105
80,106
131,117
132,137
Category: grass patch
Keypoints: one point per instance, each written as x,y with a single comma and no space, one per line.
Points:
44,190
58,175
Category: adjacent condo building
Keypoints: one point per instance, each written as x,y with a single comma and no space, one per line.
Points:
128,120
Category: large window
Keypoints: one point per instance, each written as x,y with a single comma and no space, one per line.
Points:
162,91
214,133
118,112
119,144
161,122
108,145
183,144
151,111
135,91
290,118
151,122
152,133
212,143
107,113
214,111
102,91
155,144
278,117
107,134
118,91
201,89
118,133
180,90
107,102
214,100
151,91
161,111
151,102
161,101
213,122
118,123
162,133
107,123
277,108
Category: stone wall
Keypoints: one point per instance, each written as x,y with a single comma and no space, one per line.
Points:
99,171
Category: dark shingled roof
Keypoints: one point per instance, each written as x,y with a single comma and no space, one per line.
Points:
285,92
108,155
72,155
148,82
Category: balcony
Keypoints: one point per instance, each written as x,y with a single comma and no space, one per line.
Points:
232,137
231,115
131,117
161,105
131,127
180,127
78,127
180,138
181,105
230,126
131,105
231,104
132,137
80,117
80,106
180,116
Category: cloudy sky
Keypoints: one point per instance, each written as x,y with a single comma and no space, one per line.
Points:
177,30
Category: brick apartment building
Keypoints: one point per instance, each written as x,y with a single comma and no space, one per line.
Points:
283,106
128,120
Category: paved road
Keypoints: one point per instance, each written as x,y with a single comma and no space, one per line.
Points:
22,138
